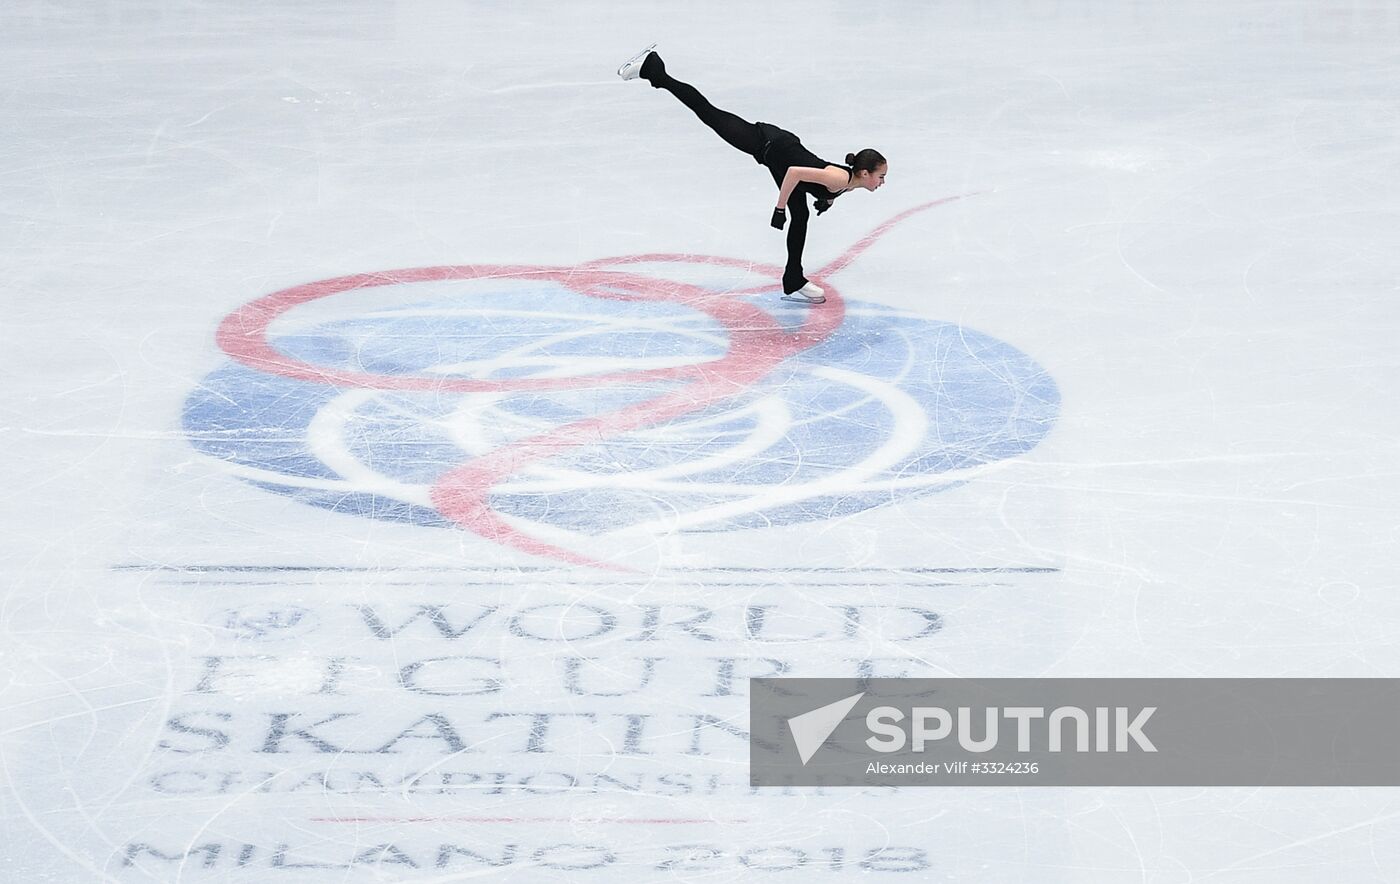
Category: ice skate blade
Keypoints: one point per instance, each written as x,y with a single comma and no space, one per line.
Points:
632,68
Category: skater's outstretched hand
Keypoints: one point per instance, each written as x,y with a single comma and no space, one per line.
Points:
779,219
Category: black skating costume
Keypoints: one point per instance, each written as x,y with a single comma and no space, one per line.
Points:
771,146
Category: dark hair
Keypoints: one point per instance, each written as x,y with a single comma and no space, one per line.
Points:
867,160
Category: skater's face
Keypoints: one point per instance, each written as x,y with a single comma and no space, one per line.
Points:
873,181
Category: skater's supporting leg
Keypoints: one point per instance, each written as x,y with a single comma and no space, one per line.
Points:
735,130
796,240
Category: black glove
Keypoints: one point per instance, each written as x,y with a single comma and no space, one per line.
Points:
822,205
779,219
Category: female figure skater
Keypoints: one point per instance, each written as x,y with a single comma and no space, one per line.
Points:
796,170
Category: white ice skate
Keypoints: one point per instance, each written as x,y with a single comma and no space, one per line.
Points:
808,294
633,66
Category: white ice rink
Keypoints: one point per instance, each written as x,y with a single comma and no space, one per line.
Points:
408,459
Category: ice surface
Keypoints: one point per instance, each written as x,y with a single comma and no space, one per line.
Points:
461,575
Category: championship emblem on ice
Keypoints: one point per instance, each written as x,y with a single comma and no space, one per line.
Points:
539,406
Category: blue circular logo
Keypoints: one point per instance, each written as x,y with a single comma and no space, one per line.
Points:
600,407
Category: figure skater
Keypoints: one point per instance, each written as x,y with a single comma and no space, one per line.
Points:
796,170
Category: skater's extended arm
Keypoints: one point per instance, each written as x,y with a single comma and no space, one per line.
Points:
832,178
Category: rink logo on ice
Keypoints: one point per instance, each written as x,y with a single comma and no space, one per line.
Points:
550,409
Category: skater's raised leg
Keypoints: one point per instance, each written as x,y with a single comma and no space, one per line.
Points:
735,130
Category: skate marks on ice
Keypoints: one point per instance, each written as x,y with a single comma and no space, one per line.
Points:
556,409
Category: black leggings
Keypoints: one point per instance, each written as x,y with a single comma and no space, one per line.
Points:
745,136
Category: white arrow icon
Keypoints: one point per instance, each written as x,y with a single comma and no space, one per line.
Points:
810,729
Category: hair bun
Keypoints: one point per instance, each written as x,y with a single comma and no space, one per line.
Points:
868,160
